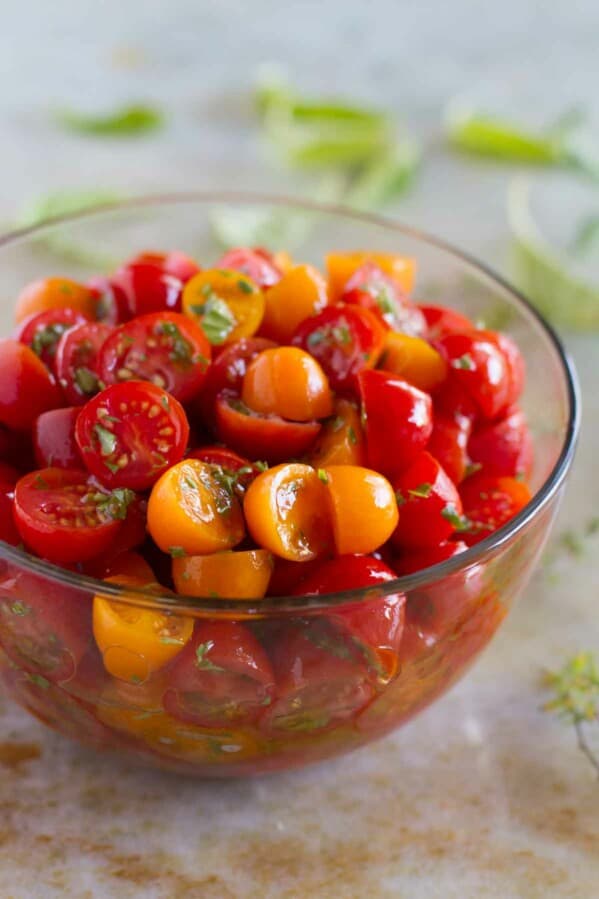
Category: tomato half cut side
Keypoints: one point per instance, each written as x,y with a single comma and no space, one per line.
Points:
372,289
130,433
489,502
76,362
223,677
42,331
257,264
112,303
262,437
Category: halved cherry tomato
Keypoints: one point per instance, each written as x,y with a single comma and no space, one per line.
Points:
287,576
516,368
430,507
240,471
418,559
136,642
227,373
345,340
8,529
222,677
262,437
165,348
489,502
55,293
112,302
26,386
415,360
127,564
54,439
193,510
76,361
287,382
149,289
64,517
43,330
172,263
341,266
233,575
372,289
300,293
363,508
504,447
286,511
256,263
442,320
449,444
398,420
227,305
130,433
341,441
478,366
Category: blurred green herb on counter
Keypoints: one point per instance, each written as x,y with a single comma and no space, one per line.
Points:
127,121
575,698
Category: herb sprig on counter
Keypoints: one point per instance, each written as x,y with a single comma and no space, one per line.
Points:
575,698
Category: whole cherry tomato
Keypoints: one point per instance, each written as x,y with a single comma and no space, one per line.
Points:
76,361
430,507
299,294
479,367
287,382
233,575
256,263
442,320
413,359
262,437
412,560
341,266
54,439
516,368
449,444
489,502
172,263
341,441
149,289
26,386
363,508
504,447
43,330
227,373
372,289
55,293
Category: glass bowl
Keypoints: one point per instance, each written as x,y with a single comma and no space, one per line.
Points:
332,694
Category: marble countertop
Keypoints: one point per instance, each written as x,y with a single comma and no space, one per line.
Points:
482,796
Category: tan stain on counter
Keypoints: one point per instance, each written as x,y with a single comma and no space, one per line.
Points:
14,754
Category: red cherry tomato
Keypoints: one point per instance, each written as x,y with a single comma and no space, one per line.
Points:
429,504
63,516
489,502
449,444
345,340
398,420
441,320
76,362
228,371
149,289
16,449
479,367
131,433
172,263
9,475
8,529
241,471
112,303
257,264
504,447
166,348
370,288
222,678
26,386
516,368
287,576
54,439
262,437
43,330
413,560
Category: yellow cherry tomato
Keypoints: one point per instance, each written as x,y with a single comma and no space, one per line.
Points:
286,512
341,266
283,261
233,575
55,293
341,440
288,382
136,642
301,292
414,359
226,304
192,510
363,507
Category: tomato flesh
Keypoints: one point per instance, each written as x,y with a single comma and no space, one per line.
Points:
76,362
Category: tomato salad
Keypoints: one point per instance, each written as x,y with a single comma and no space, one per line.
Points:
256,428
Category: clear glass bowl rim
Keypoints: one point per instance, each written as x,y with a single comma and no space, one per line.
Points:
259,608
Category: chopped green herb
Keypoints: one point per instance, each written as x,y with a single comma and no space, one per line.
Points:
40,483
261,466
171,641
181,349
239,406
316,337
352,435
336,423
202,661
39,681
20,608
87,382
400,498
165,403
459,522
245,286
323,476
341,334
465,362
106,439
422,491
217,320
47,338
126,121
115,505
176,552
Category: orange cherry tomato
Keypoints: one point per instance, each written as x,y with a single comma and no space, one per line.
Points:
301,292
341,440
363,506
232,575
192,510
286,512
226,304
136,642
283,261
288,382
414,359
55,293
341,266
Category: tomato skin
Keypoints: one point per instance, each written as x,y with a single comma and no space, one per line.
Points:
341,441
300,293
243,574
26,386
54,439
165,348
489,502
414,360
121,434
370,288
398,421
76,361
222,677
8,529
112,302
341,266
54,293
43,330
425,494
516,368
257,264
149,289
442,320
287,576
503,447
449,444
479,367
173,263
344,340
227,372
412,560
288,382
262,437
9,475
363,508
